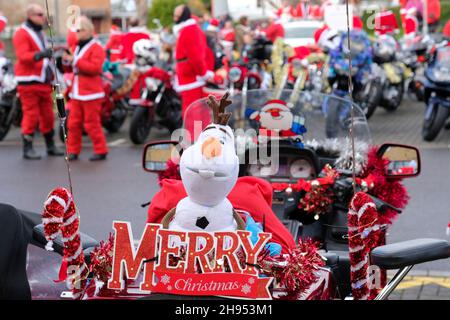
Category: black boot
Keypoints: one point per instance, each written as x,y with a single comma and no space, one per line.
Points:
98,157
52,149
28,151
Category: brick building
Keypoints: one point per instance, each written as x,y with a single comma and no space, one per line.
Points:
98,10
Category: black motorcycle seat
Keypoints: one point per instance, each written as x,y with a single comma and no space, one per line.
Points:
332,258
408,253
87,242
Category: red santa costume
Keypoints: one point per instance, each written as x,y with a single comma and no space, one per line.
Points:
114,44
34,79
128,39
274,30
191,68
385,22
86,98
410,23
3,22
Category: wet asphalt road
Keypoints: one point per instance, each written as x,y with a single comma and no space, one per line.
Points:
116,188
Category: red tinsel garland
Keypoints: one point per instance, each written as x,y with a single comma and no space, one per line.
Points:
295,271
318,194
172,172
390,191
60,218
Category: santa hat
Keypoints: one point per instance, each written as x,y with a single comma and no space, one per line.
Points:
319,33
213,25
275,104
115,30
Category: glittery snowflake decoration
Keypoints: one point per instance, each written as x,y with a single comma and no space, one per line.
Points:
251,281
165,279
246,289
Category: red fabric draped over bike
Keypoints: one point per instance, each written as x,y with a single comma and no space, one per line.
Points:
250,194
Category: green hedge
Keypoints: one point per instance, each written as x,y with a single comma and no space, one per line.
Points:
163,10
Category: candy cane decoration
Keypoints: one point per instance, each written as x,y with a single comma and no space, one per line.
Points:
60,218
364,234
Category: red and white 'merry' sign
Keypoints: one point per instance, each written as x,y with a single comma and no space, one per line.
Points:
205,251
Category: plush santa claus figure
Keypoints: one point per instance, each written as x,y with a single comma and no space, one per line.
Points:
277,120
209,170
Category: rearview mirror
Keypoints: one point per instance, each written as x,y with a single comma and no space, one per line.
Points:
404,161
156,154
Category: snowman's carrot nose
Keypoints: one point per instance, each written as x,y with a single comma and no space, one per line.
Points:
211,148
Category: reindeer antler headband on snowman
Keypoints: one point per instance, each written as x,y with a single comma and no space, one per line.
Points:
209,170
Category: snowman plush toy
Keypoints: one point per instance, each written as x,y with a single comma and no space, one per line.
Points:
209,170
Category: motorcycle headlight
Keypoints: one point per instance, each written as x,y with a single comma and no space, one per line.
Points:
235,74
441,74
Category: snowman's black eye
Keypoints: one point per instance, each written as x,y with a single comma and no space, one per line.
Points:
222,142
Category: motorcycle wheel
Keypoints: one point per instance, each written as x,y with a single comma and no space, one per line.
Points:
373,100
15,118
434,123
118,116
393,104
4,126
141,124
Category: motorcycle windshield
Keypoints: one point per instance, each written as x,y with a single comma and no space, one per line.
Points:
302,117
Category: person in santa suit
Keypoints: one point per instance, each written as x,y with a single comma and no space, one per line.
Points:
87,93
191,68
386,22
3,22
34,76
114,46
134,34
303,9
275,29
410,23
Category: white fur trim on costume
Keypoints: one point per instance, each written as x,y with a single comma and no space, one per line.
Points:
178,27
188,86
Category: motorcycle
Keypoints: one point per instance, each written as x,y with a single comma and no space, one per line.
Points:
306,163
158,100
384,54
10,108
366,84
416,53
437,94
